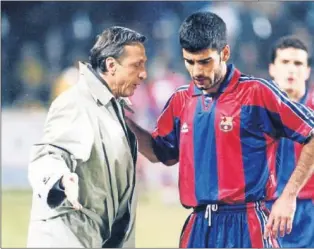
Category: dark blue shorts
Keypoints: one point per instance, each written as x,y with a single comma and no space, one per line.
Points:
302,234
238,225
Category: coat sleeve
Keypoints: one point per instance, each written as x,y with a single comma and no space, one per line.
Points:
68,139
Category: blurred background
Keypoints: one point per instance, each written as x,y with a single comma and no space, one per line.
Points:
42,43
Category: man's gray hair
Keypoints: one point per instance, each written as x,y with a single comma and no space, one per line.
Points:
111,44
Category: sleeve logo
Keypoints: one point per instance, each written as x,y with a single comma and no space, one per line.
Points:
184,128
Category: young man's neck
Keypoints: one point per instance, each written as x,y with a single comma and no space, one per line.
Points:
213,89
296,96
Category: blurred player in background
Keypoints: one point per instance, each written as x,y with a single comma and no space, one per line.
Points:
290,69
222,129
83,171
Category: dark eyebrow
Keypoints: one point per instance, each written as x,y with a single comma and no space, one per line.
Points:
297,61
189,61
199,61
206,59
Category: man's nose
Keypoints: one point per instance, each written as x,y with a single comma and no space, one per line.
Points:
291,68
143,75
197,71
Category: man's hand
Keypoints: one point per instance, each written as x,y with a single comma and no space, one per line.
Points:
283,210
71,189
281,217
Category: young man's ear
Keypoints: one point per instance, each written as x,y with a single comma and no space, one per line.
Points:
271,70
308,73
225,53
111,65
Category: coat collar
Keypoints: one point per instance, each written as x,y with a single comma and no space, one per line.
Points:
97,85
99,88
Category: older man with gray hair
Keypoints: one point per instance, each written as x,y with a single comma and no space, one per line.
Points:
83,171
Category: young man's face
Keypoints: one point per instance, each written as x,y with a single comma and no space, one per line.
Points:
205,67
290,69
131,70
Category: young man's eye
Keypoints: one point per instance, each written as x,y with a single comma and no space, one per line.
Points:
204,62
189,62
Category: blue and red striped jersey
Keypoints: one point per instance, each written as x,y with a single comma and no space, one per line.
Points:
226,142
288,154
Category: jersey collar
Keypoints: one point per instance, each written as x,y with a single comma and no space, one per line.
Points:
229,83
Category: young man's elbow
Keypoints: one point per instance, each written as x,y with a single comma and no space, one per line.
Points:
170,162
154,159
310,142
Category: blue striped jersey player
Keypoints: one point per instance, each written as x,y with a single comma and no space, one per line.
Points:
290,69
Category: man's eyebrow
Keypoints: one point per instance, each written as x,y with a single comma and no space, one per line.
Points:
205,59
140,60
187,59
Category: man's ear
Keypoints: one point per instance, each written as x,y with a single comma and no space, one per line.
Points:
225,53
271,70
308,73
111,65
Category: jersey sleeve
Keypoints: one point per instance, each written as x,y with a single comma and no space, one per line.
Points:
280,117
166,134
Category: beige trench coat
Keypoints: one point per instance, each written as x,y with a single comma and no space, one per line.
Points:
83,134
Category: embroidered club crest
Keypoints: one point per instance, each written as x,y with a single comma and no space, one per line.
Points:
226,124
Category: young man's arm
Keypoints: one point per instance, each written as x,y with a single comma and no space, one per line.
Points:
303,170
162,145
283,209
146,142
279,117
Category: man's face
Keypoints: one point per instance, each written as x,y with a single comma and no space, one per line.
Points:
130,71
290,69
205,67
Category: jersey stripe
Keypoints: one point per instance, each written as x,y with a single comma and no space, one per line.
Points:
300,111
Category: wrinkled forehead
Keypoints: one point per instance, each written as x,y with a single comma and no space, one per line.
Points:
135,51
200,55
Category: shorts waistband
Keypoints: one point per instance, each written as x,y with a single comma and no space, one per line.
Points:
229,207
210,209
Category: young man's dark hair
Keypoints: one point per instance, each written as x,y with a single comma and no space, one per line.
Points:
203,30
111,44
289,42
